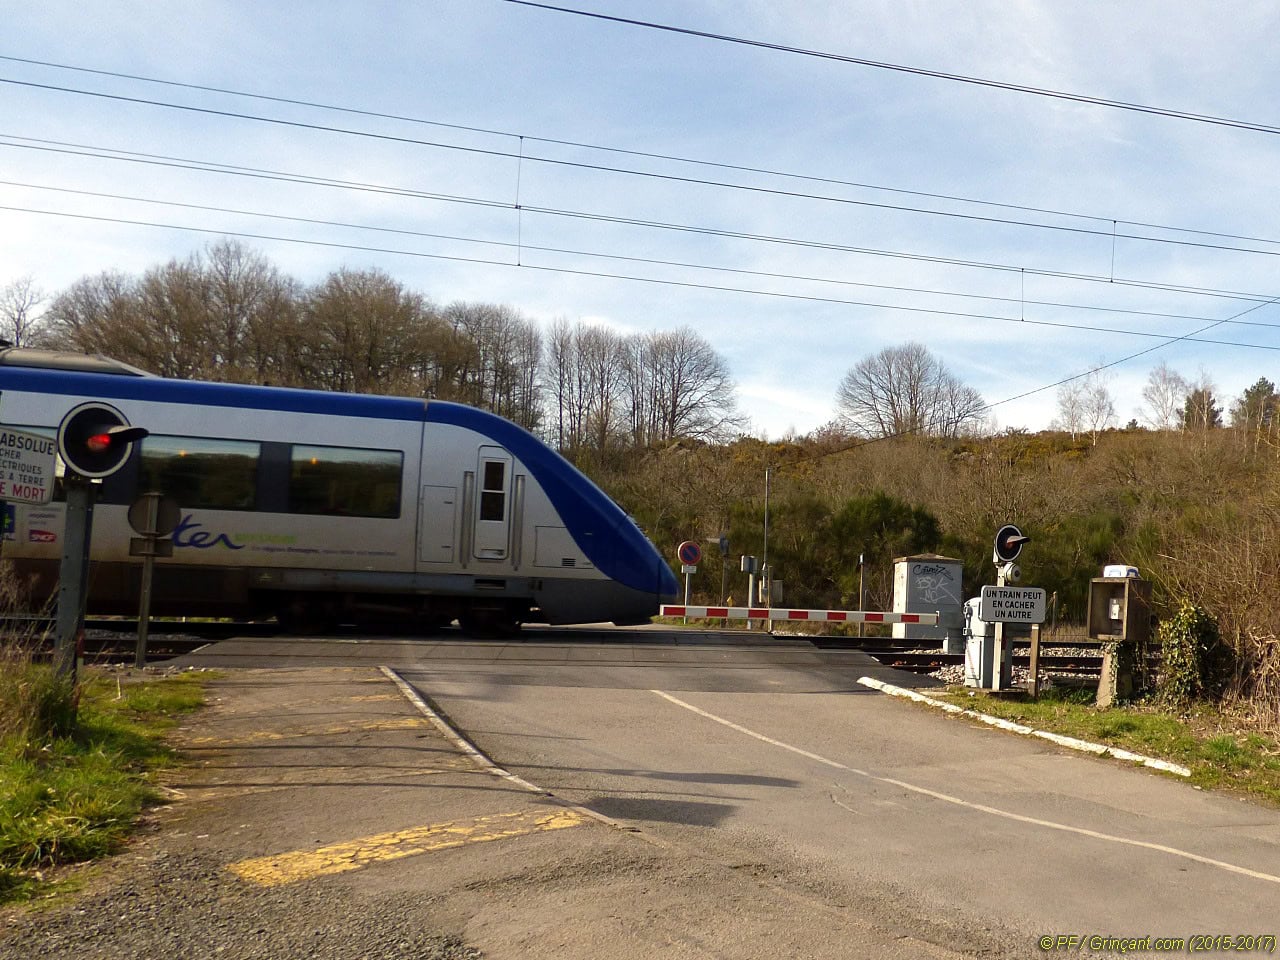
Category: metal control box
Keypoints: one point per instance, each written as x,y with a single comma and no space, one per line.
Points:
1119,609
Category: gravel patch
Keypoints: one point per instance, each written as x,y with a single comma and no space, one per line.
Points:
186,906
953,674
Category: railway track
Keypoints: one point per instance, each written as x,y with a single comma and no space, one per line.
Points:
926,662
114,641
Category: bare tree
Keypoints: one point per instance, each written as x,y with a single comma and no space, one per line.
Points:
222,314
19,319
100,315
689,387
1071,408
608,390
1099,408
253,315
1085,405
367,332
1163,397
906,390
496,354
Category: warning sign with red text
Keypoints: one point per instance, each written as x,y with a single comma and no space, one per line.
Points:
26,466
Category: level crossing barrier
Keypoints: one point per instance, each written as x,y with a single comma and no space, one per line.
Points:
782,613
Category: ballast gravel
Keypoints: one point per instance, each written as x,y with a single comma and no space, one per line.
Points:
187,907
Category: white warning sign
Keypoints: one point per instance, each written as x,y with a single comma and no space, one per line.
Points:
26,466
1012,605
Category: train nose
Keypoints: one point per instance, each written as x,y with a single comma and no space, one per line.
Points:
668,585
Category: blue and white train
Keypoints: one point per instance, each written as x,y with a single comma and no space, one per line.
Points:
318,507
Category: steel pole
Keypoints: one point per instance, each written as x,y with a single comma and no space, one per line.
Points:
861,595
150,532
764,561
73,587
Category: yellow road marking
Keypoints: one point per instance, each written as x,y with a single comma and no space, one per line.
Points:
354,854
397,723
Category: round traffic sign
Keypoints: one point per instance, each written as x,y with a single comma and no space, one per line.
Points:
167,515
690,553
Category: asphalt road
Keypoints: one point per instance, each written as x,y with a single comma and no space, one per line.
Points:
768,756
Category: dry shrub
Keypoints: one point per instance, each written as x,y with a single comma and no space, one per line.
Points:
1224,558
35,702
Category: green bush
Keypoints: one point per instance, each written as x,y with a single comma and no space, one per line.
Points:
1196,664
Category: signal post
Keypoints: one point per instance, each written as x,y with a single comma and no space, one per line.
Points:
1009,542
94,441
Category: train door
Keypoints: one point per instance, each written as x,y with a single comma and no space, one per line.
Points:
491,538
437,523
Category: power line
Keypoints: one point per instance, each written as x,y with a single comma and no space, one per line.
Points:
653,261
918,71
647,154
684,284
307,179
1112,234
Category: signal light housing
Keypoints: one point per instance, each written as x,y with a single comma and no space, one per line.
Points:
95,439
1009,541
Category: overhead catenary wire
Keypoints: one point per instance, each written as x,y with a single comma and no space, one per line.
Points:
630,151
1089,99
308,179
654,261
519,157
686,284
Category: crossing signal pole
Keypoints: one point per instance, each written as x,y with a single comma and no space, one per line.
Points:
94,441
1009,541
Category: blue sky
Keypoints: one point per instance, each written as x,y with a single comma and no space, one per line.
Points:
876,139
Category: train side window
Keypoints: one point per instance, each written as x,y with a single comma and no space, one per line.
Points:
200,473
493,492
344,481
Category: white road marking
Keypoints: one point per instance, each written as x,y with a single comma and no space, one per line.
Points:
980,807
1072,743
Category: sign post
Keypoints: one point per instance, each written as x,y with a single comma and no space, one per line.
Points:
1003,604
1009,543
689,553
74,577
154,517
94,440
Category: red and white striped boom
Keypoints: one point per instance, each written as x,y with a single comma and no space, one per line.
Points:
782,613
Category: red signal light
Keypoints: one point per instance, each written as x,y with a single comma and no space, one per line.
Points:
99,442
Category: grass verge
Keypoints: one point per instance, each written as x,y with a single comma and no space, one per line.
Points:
1219,751
72,793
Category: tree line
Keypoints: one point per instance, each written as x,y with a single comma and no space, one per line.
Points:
227,313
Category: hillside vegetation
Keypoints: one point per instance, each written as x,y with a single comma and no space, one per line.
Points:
1198,512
